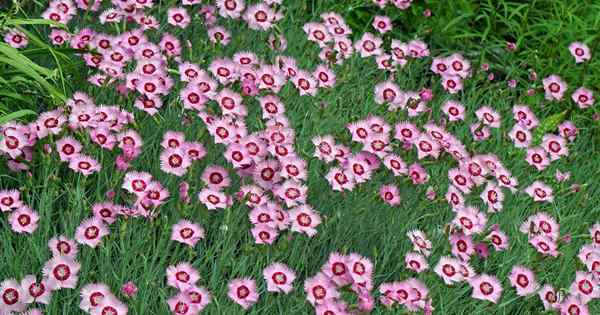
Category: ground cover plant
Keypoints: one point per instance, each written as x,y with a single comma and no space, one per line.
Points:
299,157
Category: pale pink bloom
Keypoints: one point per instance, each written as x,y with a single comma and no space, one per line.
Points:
181,304
462,246
213,199
395,164
380,3
520,136
243,292
586,286
416,262
16,38
182,276
174,161
498,239
36,291
573,305
418,174
279,278
293,167
580,51
458,65
172,139
91,231
199,297
219,35
304,220
537,157
324,147
340,179
524,116
550,297
448,268
583,97
317,33
406,132
325,76
84,164
178,17
360,268
216,176
62,246
540,192
320,289
58,36
270,77
492,196
336,269
224,69
109,305
305,83
382,24
92,294
556,146
554,87
470,220
461,180
264,234
13,297
426,146
62,272
388,92
369,45
544,245
523,280
568,130
417,48
187,232
452,84
420,242
455,197
261,17
454,110
231,8
488,116
10,200
486,287
390,194
23,220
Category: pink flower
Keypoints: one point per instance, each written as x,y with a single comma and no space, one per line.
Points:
498,239
366,303
556,146
178,17
340,179
62,246
540,192
213,199
182,276
451,83
583,97
216,177
586,286
174,161
525,117
493,196
292,192
219,35
199,297
261,17
420,242
544,245
129,289
418,174
36,291
520,136
488,116
230,8
304,220
369,45
181,304
580,51
249,87
23,220
417,48
382,24
279,278
325,76
16,38
574,305
91,231
319,289
523,280
84,164
537,157
390,194
416,262
550,297
10,200
462,246
187,233
264,234
92,294
109,305
554,87
470,220
62,272
568,130
305,83
243,292
511,46
13,297
486,287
